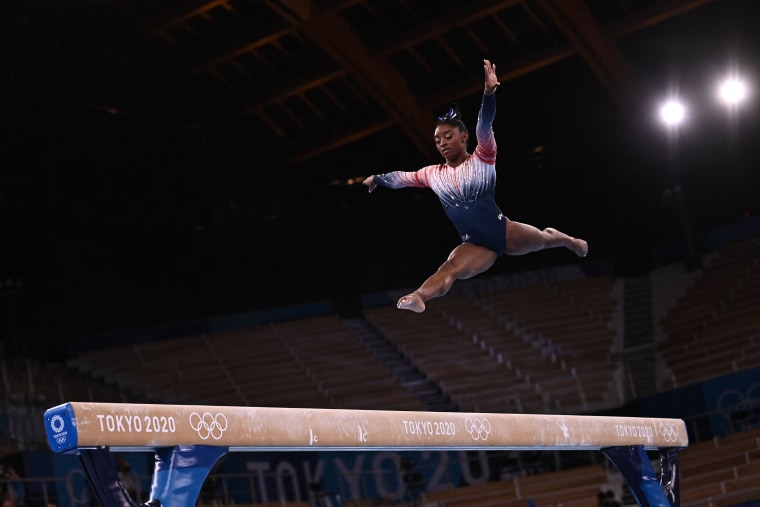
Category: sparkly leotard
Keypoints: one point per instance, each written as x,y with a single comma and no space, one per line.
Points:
466,191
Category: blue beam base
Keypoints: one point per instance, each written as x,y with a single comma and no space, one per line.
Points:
178,475
637,470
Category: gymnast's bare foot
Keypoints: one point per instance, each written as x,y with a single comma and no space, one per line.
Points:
580,247
411,302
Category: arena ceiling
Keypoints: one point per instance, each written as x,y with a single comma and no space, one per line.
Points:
322,74
215,132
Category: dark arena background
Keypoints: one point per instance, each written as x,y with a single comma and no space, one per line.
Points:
183,221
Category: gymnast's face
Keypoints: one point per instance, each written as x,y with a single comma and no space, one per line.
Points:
451,142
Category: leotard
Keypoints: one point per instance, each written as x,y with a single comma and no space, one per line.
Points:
466,192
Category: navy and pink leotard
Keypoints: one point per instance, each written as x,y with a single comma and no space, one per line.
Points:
467,192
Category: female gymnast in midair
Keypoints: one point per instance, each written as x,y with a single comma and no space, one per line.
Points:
465,185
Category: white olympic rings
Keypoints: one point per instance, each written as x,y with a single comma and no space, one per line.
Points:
479,429
669,431
208,425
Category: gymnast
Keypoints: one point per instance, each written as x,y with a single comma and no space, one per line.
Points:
465,185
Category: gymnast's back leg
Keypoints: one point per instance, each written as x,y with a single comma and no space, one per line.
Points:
524,238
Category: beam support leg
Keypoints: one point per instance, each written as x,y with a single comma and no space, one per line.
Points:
178,475
637,470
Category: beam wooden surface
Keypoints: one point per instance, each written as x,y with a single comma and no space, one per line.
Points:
144,426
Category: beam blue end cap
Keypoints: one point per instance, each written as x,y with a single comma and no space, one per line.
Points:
61,428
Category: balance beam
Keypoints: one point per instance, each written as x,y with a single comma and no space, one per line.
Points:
206,433
137,427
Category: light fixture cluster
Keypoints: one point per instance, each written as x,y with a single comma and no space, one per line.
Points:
732,92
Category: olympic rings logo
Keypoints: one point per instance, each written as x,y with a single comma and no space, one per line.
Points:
669,431
479,429
732,403
208,425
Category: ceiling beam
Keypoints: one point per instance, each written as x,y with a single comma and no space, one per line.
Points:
474,85
379,79
185,15
663,12
354,134
580,27
296,89
464,16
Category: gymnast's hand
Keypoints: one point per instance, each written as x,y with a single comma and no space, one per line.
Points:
370,182
491,81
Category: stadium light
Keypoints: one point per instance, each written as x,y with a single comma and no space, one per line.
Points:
672,113
732,91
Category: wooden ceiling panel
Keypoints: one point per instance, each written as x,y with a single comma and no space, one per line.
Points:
433,59
431,10
414,74
309,120
236,77
328,105
309,57
257,69
238,25
502,48
345,89
607,11
190,41
259,15
438,63
468,49
286,122
366,23
642,5
279,63
396,16
213,33
530,28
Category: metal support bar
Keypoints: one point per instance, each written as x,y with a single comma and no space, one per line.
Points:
669,477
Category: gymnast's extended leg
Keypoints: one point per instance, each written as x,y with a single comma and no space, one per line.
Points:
465,261
524,238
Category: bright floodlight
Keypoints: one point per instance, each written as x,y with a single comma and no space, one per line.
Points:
672,113
732,91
